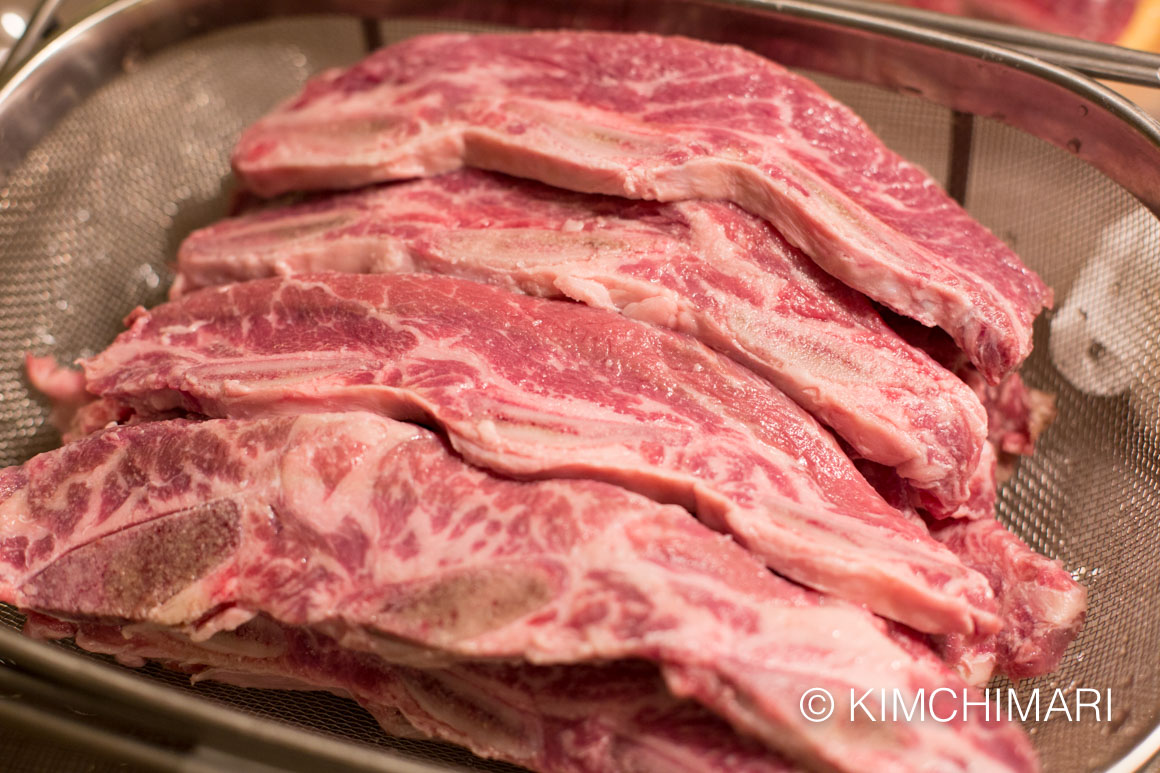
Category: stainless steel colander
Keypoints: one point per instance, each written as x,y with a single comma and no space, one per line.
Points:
114,144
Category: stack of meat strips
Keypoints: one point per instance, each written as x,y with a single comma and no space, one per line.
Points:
596,460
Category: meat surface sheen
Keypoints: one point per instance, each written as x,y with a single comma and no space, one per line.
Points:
371,532
1042,606
1016,413
667,119
707,269
541,388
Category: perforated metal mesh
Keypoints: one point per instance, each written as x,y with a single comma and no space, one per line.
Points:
37,755
91,219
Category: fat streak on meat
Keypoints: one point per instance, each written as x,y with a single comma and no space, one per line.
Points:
1042,606
1017,414
370,532
536,388
661,118
708,269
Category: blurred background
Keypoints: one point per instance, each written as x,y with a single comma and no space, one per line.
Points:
1128,23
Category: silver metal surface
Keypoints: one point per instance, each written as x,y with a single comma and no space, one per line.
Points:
114,144
90,688
1050,102
36,26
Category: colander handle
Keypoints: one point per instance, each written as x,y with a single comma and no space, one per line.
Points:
34,31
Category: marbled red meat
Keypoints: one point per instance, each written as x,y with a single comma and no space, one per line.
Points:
661,118
542,388
372,533
708,269
1016,413
1041,604
554,719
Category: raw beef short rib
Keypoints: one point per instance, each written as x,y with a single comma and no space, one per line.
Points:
541,388
707,269
553,719
1042,606
371,532
660,118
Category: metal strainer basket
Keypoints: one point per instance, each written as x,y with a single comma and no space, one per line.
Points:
114,145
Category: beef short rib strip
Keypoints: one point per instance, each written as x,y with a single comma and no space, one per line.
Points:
1042,606
541,388
668,119
554,719
1017,414
707,269
371,532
